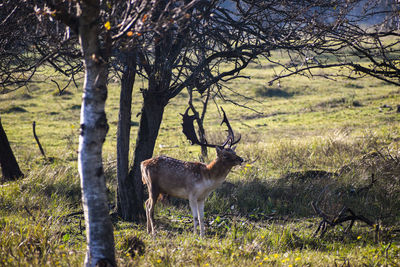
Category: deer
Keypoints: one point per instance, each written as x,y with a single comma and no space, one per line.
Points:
189,180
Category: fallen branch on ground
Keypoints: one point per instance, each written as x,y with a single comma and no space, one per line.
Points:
346,214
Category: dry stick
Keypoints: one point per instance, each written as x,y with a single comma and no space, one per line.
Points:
74,214
387,249
58,87
340,218
30,214
37,139
253,161
61,91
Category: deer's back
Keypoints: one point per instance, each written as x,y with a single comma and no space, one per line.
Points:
172,176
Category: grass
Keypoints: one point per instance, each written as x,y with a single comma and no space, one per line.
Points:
309,140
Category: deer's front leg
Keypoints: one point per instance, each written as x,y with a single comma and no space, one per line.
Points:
201,216
195,212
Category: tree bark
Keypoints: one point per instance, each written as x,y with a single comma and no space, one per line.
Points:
94,127
126,205
200,120
202,134
155,98
9,165
150,122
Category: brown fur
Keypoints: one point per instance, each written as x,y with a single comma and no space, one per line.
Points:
188,180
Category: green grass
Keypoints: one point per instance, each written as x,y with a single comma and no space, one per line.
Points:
262,216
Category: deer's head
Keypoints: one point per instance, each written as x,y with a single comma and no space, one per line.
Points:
228,156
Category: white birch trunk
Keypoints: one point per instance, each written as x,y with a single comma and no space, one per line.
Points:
94,127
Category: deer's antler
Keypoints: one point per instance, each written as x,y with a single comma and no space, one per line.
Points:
231,135
190,133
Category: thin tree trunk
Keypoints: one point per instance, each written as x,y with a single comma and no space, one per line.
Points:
199,120
202,132
125,200
9,165
94,127
150,121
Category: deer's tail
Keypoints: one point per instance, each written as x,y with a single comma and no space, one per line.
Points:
145,173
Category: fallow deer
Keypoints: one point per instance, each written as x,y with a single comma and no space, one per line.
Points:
189,180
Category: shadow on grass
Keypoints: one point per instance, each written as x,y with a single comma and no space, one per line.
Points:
254,200
15,109
272,92
289,198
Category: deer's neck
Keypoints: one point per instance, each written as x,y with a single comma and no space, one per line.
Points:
218,169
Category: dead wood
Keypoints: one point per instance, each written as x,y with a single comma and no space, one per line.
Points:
346,214
37,139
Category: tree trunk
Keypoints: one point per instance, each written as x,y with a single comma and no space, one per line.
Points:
202,132
154,101
200,120
202,137
125,200
94,127
150,122
9,165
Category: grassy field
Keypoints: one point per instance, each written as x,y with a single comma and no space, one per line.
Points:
334,142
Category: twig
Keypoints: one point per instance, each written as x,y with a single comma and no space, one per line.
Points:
74,214
387,249
37,139
339,219
58,87
111,207
61,91
80,226
253,161
30,214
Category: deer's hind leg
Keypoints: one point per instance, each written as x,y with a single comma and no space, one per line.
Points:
194,207
201,216
150,203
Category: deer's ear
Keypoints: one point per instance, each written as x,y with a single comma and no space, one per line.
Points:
219,150
233,148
